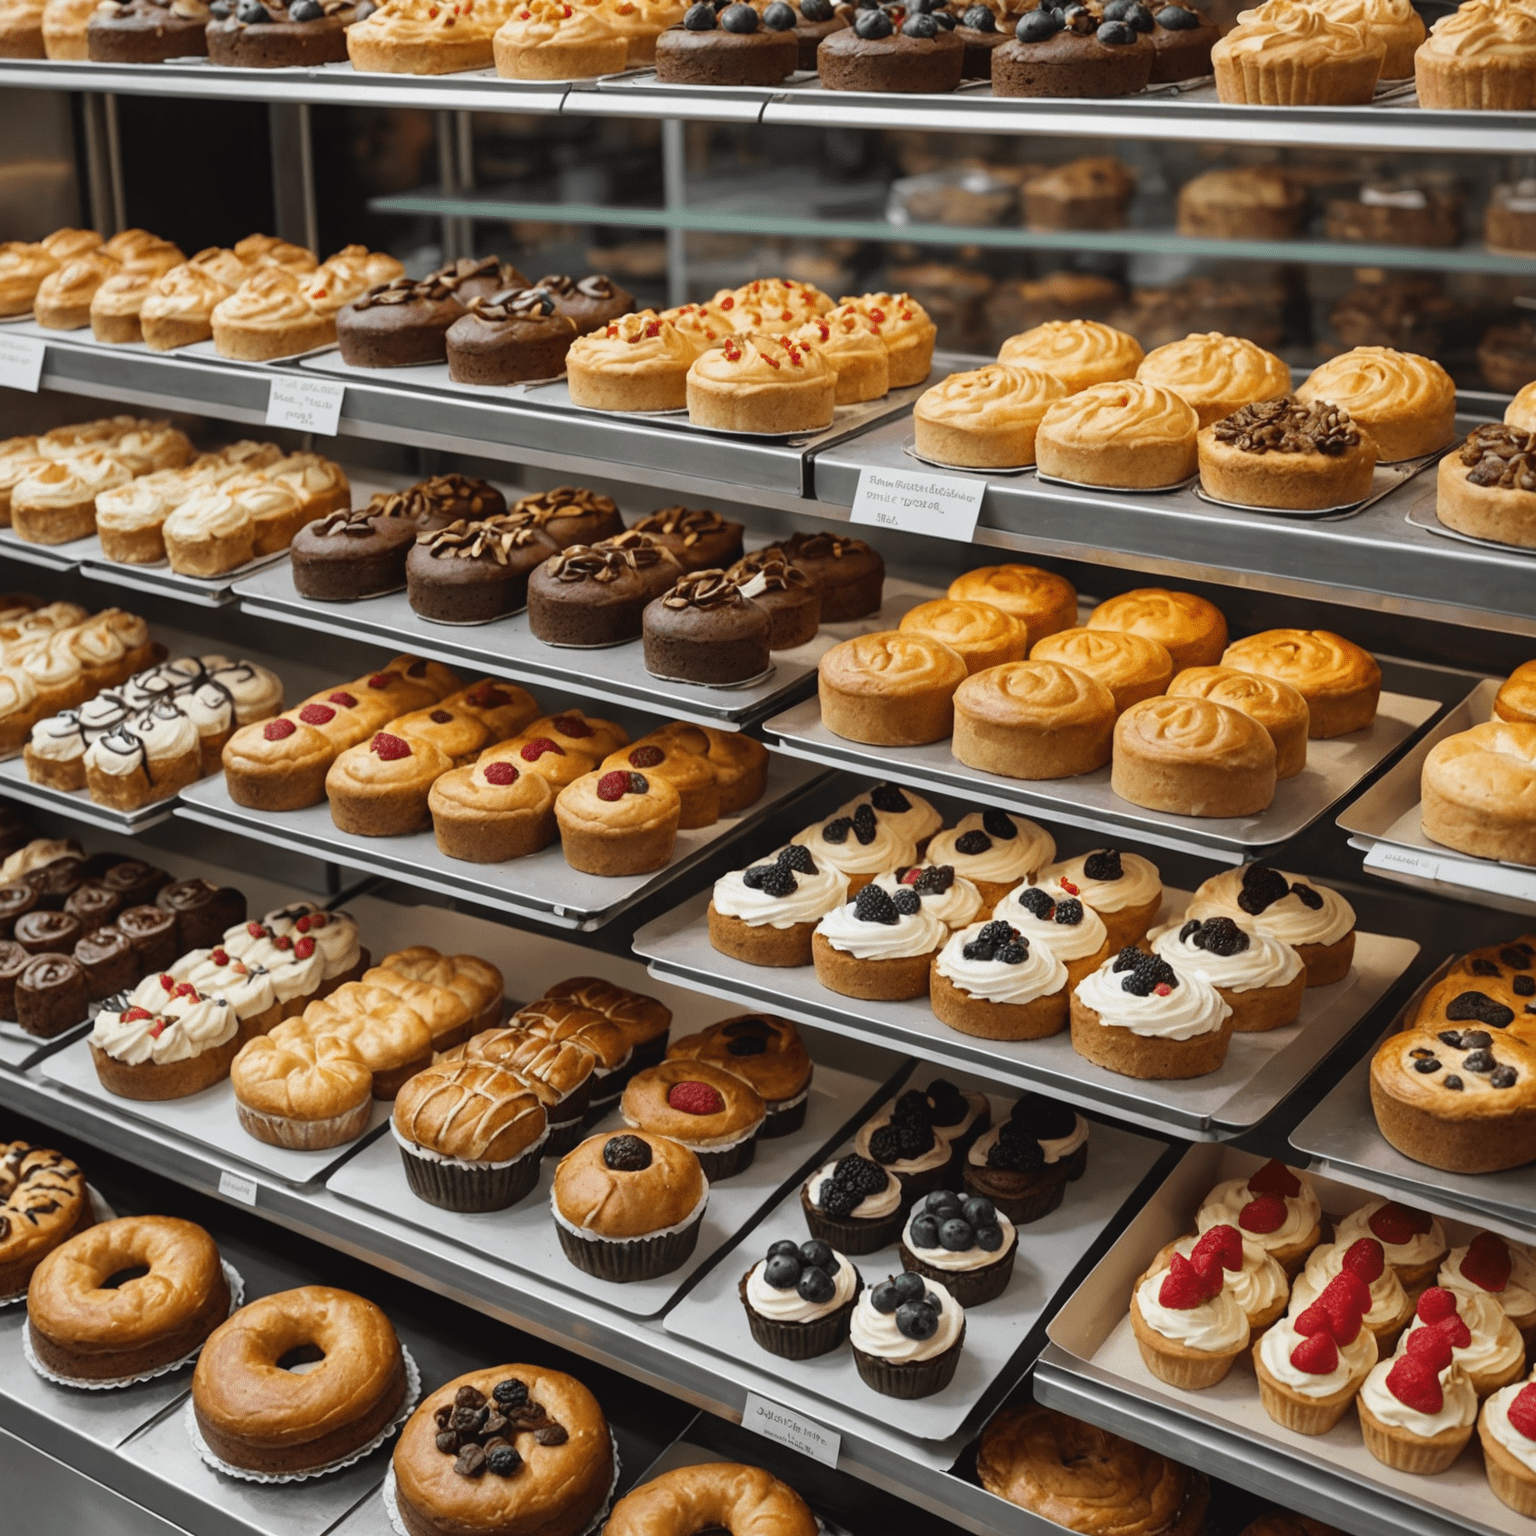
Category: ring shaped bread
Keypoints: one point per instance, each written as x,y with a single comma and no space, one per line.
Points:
82,1328
719,1495
256,1412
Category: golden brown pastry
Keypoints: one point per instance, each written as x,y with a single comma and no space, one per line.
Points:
550,40
982,634
1340,681
1128,434
63,299
638,362
1478,791
1290,54
1131,666
1516,698
419,37
1480,57
1274,704
23,266
1283,453
890,689
905,328
1404,402
178,309
270,316
1217,374
1078,352
984,419
1192,630
1191,757
1033,720
1045,601
762,384
847,338
1487,487
1249,202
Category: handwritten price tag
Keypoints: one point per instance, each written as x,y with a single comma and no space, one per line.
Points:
774,1422
21,362
235,1186
937,505
310,405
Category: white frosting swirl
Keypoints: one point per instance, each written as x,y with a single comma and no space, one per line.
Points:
790,1306
966,1259
1257,1286
918,821
956,907
1138,884
876,1333
247,989
1458,1411
334,934
199,1024
812,898
1067,941
1421,1247
1224,1203
1388,1298
59,739
1267,961
913,933
1280,1342
1288,919
1496,1344
1040,974
888,849
1056,1148
1216,1326
1007,861
871,1207
1518,1297
1496,1418
1192,1008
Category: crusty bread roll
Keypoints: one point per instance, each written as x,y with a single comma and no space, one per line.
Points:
1274,704
1132,667
1478,792
890,689
1340,681
1193,758
1033,720
1516,699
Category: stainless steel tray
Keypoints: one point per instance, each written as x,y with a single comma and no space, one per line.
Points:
525,1237
541,886
1260,1070
1385,822
507,648
19,1050
205,1122
1093,1368
829,1388
78,805
52,557
1333,769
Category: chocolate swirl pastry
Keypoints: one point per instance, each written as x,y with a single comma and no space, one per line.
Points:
16,899
93,906
51,996
56,881
571,514
1499,455
850,574
440,500
405,322
134,880
595,594
705,631
351,555
473,572
511,337
590,303
152,933
203,911
107,959
699,538
13,961
41,933
1287,426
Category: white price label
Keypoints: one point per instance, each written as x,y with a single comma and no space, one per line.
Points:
310,405
937,505
21,362
775,1422
1403,861
237,1187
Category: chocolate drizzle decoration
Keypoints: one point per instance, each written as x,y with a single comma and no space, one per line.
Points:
1288,426
517,304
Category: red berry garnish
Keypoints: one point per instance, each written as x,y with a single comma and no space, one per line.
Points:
647,757
1346,1300
1068,887
613,786
382,679
694,1098
910,876
1314,1319
1317,1354
500,772
488,697
1274,1178
1432,1346
1487,1263
571,725
1226,1243
1398,1224
133,1015
282,941
532,751
390,748
1163,989
1183,1287
255,930
1365,1258
343,698
186,989
1266,1214
1436,1304
440,716
157,1028
317,714
279,729
219,957
304,948
168,983
315,920
1522,1411
1415,1385
304,924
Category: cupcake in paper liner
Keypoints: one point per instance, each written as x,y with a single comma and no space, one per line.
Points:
907,1335
800,1298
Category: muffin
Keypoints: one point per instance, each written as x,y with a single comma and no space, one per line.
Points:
1024,1163
765,1052
1084,54
1251,202
1289,54
799,1299
907,1335
706,1108
854,1203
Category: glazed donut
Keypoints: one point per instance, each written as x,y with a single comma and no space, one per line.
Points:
43,1201
1087,1479
451,1480
256,1412
724,1495
82,1327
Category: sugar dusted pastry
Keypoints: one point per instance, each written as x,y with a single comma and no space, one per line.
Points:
1216,374
1289,54
761,384
1479,57
1128,433
1273,1208
638,362
906,329
1314,919
1405,403
1340,680
985,419
1307,456
1188,1325
1078,352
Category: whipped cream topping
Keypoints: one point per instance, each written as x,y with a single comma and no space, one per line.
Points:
1388,1298
1496,1344
1458,1411
790,1306
913,933
334,934
1139,882
812,898
886,849
1192,1008
871,1207
137,1037
1066,940
876,1333
1039,974
918,821
1280,1343
1225,1203
1257,1286
1006,860
1217,1326
1289,919
247,989
1496,1421
966,1259
1266,962
1518,1298
955,907
1421,1247
59,739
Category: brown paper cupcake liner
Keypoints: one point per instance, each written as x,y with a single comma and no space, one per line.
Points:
909,1378
1041,1194
455,1187
641,1258
565,1137
799,1341
848,1235
725,1162
785,1122
969,1287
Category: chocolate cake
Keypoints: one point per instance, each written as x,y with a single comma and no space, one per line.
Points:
590,303
350,555
790,598
571,514
152,932
265,34
736,46
850,574
405,323
440,500
51,996
705,631
699,539
512,338
471,573
204,912
596,594
1076,52
916,53
107,959
147,31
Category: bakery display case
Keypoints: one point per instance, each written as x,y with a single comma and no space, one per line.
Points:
508,853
